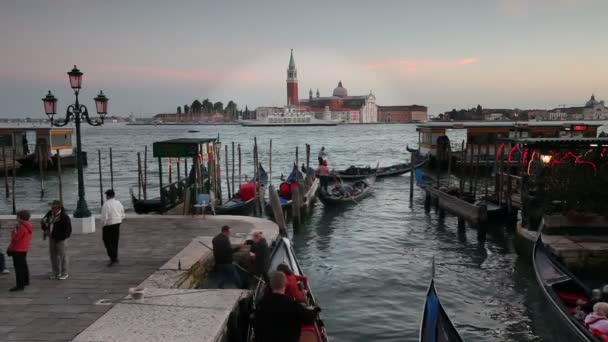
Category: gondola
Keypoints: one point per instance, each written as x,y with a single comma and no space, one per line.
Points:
361,189
284,200
283,253
237,206
436,326
562,289
357,173
494,210
146,206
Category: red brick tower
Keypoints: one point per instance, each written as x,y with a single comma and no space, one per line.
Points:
292,83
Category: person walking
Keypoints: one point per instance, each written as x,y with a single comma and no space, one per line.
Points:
112,214
322,155
20,244
57,227
222,253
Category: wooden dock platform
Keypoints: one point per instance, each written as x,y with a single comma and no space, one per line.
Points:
59,310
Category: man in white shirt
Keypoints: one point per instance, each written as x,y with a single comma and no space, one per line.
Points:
112,215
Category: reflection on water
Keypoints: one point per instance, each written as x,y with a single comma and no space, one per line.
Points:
368,264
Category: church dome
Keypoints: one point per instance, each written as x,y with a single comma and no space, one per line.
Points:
592,102
340,91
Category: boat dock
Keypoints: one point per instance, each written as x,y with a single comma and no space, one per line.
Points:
159,253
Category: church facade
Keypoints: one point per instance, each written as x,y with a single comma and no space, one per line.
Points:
338,106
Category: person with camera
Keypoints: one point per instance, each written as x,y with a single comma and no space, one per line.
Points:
57,227
18,248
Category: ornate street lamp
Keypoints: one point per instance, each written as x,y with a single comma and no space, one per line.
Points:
77,113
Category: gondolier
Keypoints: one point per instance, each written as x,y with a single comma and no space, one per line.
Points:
322,155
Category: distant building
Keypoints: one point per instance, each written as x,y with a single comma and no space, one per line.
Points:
595,110
401,114
340,104
592,110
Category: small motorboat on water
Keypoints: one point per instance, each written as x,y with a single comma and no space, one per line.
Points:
193,131
563,290
283,253
347,194
436,326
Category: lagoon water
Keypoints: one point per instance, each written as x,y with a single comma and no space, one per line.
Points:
369,264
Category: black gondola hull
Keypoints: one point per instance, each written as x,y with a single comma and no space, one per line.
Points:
554,279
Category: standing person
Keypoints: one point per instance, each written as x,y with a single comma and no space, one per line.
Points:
279,318
222,253
322,155
56,225
259,254
112,215
20,244
323,173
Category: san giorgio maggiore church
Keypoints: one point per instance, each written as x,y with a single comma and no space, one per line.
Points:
338,106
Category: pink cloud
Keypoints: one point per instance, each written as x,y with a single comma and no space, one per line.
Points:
176,74
413,65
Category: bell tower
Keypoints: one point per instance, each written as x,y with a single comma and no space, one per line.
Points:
292,83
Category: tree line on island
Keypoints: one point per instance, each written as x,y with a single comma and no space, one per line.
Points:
231,110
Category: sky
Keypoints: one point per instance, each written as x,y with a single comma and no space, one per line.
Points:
150,56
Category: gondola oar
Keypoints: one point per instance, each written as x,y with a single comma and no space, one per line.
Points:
239,266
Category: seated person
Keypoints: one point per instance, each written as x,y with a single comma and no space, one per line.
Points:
292,289
278,317
598,319
343,190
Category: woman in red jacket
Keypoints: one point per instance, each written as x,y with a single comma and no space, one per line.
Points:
20,243
292,290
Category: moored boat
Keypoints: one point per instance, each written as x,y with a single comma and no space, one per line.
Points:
283,253
356,173
359,190
562,289
436,326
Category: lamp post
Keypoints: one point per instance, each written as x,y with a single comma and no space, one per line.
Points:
78,113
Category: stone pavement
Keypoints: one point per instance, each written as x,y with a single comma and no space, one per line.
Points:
58,310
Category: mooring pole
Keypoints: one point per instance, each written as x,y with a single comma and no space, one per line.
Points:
14,176
41,168
297,161
412,173
59,177
179,171
487,167
239,150
145,184
139,180
307,156
270,163
233,168
476,174
100,176
4,161
227,174
111,170
471,169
